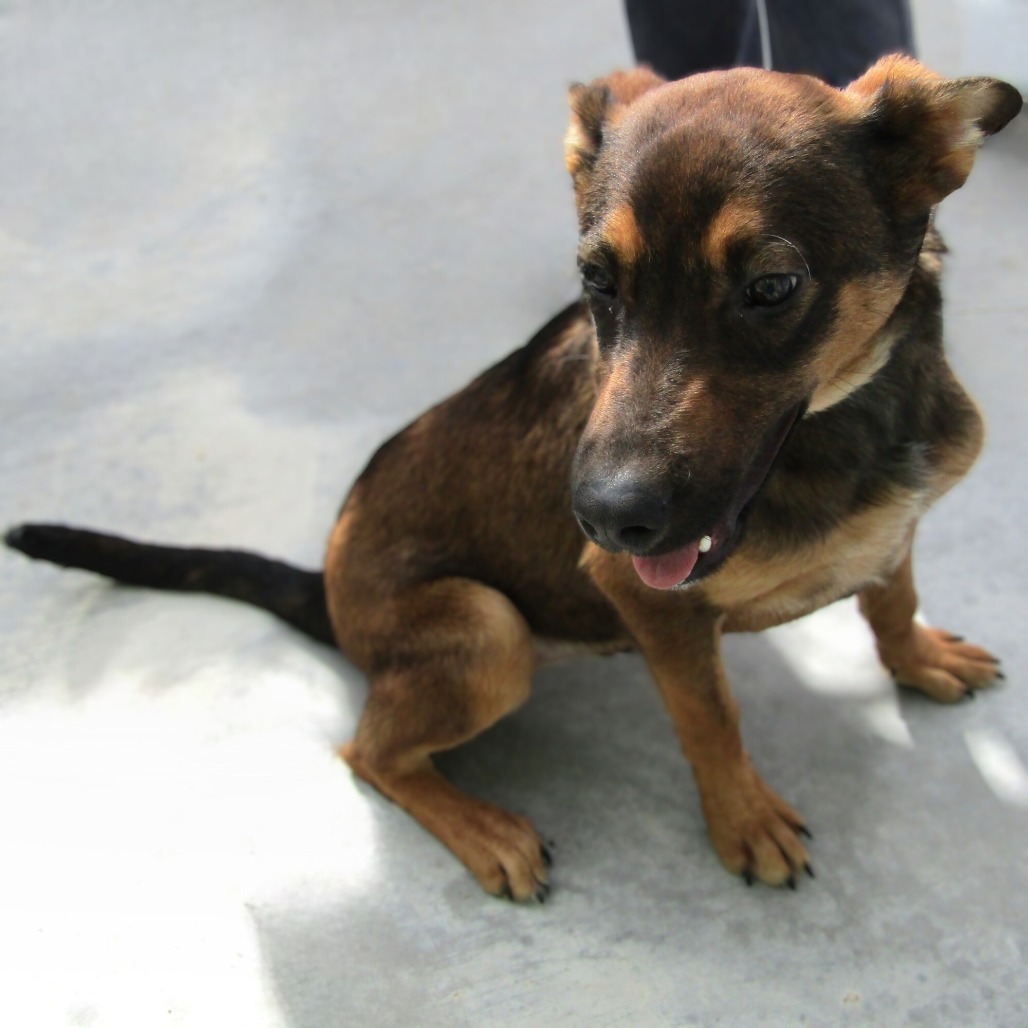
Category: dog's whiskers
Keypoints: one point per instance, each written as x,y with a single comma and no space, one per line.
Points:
792,245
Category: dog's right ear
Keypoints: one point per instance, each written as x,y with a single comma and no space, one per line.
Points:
595,107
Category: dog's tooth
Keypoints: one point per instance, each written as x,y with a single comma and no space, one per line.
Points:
705,544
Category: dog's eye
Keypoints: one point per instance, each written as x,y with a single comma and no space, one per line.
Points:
771,290
599,282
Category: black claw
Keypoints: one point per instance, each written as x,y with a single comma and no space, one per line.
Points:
1002,677
956,638
747,876
547,858
505,892
809,870
542,892
791,882
804,830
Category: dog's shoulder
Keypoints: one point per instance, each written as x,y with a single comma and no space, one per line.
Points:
478,488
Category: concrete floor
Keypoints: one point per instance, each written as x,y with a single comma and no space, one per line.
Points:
239,244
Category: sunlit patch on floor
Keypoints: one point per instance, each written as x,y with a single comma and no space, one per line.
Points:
137,845
998,763
832,652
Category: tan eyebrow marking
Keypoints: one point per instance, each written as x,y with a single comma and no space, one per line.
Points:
736,220
622,233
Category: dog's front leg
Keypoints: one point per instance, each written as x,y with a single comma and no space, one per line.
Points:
932,660
755,832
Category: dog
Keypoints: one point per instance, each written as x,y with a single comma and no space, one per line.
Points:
741,421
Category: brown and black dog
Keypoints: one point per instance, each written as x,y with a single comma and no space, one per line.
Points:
747,414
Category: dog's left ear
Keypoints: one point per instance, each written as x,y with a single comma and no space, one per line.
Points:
929,128
594,108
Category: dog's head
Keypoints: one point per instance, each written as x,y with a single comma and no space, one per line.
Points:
745,237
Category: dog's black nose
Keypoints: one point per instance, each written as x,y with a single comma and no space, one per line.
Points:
623,514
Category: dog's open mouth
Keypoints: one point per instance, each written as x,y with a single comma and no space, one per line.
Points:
699,558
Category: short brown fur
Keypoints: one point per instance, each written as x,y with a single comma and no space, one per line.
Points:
750,410
445,628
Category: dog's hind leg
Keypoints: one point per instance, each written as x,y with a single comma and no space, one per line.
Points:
939,664
448,659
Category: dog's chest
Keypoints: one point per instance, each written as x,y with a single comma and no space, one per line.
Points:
758,591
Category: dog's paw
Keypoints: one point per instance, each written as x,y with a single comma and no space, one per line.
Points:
505,853
940,665
755,832
502,850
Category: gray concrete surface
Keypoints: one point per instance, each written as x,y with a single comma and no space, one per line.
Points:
239,244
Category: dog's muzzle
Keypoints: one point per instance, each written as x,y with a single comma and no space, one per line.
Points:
625,512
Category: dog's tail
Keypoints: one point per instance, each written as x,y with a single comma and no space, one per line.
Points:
293,594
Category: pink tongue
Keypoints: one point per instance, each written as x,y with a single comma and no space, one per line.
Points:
672,568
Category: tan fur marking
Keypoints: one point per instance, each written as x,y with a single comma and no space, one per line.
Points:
759,592
931,660
616,385
695,398
957,164
576,142
861,342
504,681
930,262
955,460
621,231
733,222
